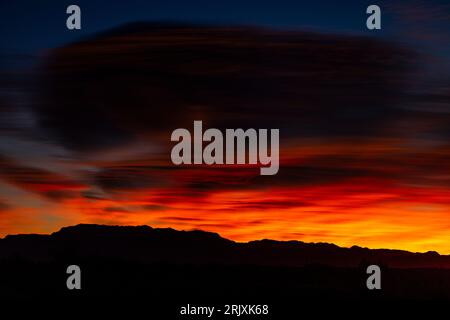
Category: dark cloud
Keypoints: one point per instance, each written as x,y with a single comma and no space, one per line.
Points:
154,207
3,206
181,219
45,183
93,195
60,195
130,177
145,80
116,209
151,79
269,204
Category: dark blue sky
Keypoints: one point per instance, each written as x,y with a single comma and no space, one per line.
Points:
28,26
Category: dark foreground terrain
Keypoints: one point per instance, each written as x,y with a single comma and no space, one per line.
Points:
161,270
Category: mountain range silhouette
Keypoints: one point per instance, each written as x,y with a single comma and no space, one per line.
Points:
144,244
165,266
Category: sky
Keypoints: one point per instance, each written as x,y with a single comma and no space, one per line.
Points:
364,117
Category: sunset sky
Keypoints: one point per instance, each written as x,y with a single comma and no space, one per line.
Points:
364,118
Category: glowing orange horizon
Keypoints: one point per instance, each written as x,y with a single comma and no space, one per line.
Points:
346,214
385,210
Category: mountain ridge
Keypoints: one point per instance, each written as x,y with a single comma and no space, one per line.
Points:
146,244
